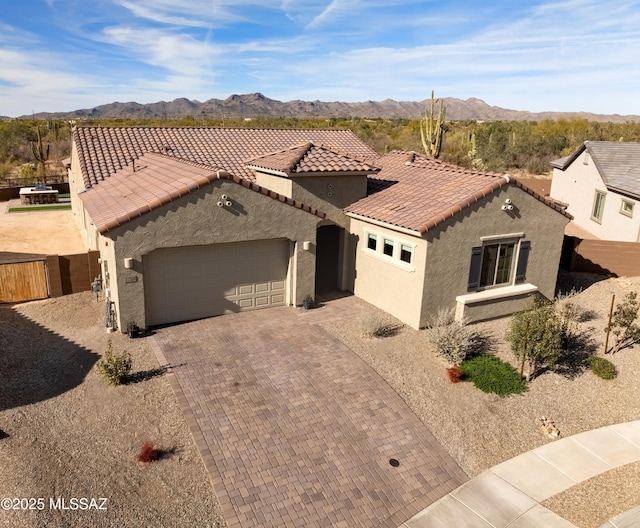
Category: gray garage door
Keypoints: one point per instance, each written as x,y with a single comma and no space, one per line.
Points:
188,283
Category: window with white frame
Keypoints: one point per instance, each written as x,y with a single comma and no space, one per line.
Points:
390,249
501,262
406,253
372,241
387,247
598,206
626,207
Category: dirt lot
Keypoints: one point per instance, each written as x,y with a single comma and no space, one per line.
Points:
45,232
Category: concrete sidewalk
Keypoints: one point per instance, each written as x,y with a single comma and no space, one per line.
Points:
509,494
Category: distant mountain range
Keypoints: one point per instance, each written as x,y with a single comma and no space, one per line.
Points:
257,105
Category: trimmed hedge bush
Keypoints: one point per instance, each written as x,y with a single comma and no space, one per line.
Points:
490,374
602,367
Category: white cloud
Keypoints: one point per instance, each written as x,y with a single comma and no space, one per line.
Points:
176,52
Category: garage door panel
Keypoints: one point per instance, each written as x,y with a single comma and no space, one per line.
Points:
277,299
201,281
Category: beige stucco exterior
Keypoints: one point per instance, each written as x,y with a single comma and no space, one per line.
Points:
387,282
577,186
195,219
442,258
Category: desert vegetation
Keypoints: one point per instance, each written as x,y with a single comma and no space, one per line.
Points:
517,147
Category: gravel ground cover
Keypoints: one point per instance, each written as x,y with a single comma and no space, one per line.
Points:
66,434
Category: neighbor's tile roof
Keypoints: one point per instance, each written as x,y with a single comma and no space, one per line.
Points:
154,180
105,150
311,158
618,164
418,193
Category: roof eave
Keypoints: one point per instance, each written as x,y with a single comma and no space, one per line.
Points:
112,224
380,223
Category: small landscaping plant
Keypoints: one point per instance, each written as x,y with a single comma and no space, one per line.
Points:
535,335
451,339
490,374
602,367
624,325
148,453
376,324
114,368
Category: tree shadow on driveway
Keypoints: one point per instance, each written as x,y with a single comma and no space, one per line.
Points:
35,363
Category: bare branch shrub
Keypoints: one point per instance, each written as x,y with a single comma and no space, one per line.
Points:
377,324
451,339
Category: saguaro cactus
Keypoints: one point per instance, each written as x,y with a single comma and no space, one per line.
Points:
41,154
432,128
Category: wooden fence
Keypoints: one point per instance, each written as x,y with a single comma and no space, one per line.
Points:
606,257
32,277
23,281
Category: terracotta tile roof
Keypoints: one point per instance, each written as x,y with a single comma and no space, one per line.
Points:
310,158
618,164
418,193
154,180
105,150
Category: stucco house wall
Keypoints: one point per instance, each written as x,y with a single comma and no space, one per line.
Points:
387,282
196,220
330,194
76,187
449,254
577,186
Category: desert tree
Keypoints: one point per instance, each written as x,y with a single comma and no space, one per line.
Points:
623,325
535,335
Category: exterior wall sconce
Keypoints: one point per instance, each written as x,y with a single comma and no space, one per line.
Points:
128,263
306,245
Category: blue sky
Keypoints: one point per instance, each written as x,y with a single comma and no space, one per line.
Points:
573,55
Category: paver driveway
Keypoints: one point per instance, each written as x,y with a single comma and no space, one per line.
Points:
295,429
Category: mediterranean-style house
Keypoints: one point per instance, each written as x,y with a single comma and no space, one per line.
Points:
600,185
198,222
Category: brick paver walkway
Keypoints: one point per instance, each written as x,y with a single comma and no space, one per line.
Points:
295,429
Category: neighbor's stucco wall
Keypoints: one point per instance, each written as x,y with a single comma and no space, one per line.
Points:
195,219
576,186
450,245
386,282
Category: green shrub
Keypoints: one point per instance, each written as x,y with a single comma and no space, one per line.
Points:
490,374
114,368
535,335
602,367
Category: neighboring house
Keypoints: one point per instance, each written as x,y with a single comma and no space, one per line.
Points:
196,222
600,185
